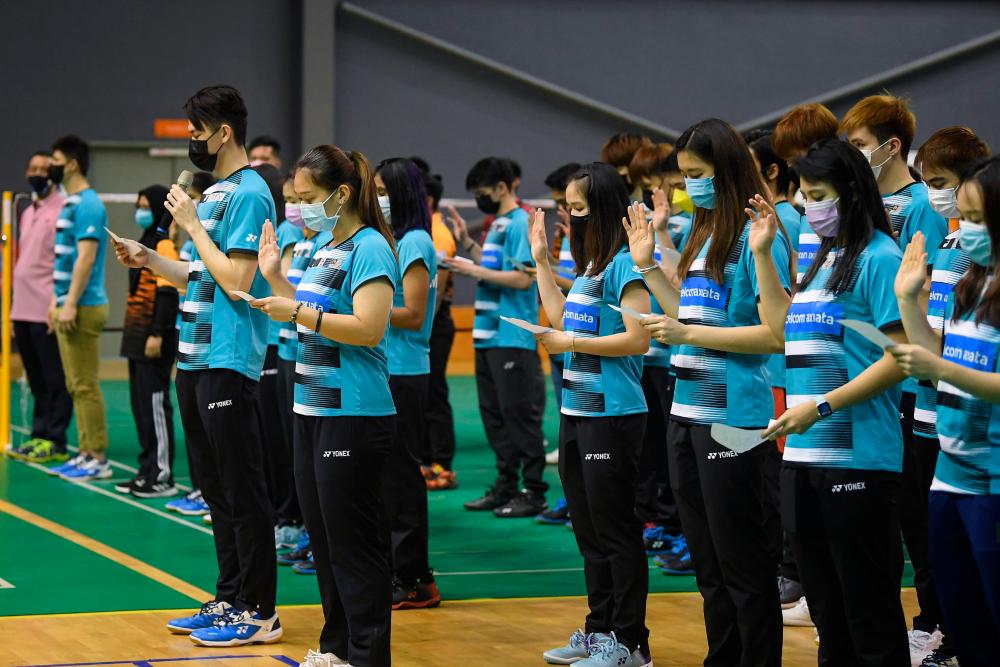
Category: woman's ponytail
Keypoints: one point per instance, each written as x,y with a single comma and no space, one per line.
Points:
367,199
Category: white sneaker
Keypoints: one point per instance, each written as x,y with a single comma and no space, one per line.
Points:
552,458
922,643
797,616
317,659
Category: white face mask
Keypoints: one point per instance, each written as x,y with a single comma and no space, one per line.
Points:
383,203
944,201
876,168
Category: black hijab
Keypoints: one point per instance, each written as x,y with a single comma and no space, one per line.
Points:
157,197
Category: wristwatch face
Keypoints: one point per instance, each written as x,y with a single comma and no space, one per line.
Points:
824,409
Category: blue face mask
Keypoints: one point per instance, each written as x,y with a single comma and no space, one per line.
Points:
975,240
315,217
701,191
383,203
144,218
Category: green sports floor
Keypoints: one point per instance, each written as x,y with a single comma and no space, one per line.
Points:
473,554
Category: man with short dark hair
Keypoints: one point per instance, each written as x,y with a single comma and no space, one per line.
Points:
508,371
220,356
36,342
79,307
264,150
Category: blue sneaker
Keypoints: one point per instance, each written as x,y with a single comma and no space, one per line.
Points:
557,516
287,537
307,566
89,470
240,628
191,504
300,553
77,460
578,648
609,653
677,560
206,617
657,540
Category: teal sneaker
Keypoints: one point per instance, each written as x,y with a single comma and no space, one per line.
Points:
240,628
609,653
72,464
578,648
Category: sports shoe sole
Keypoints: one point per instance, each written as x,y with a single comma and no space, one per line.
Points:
188,512
169,493
552,660
175,630
551,522
424,604
272,637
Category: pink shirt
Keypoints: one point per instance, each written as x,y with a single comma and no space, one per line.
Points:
36,255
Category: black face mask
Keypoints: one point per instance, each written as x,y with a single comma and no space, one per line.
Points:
647,199
487,205
39,184
199,155
56,172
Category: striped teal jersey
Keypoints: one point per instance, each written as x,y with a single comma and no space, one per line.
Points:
567,267
679,227
184,255
595,386
333,379
287,236
910,211
968,428
951,264
821,355
218,331
506,241
82,218
302,254
724,387
792,221
410,350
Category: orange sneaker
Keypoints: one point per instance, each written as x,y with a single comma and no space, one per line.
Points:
427,472
416,596
443,480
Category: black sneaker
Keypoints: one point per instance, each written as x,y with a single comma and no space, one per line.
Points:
125,486
418,595
297,556
790,592
490,501
524,504
939,658
146,488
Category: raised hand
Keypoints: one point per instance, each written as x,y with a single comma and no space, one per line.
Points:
641,239
268,253
458,225
661,210
763,224
538,239
913,271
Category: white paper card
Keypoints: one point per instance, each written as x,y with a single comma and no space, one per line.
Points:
117,238
631,312
459,260
735,439
527,326
870,332
243,295
521,266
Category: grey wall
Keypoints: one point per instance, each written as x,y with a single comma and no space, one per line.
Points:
104,69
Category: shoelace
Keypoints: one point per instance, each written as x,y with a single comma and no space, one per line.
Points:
212,608
233,617
607,648
578,639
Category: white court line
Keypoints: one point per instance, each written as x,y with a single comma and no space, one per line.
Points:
123,499
6,584
114,464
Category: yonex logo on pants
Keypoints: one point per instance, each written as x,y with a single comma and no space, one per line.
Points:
220,404
852,486
335,453
597,457
722,455
508,366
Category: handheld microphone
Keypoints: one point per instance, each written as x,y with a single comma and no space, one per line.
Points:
184,181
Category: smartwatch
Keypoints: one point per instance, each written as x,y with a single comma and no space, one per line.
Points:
823,407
